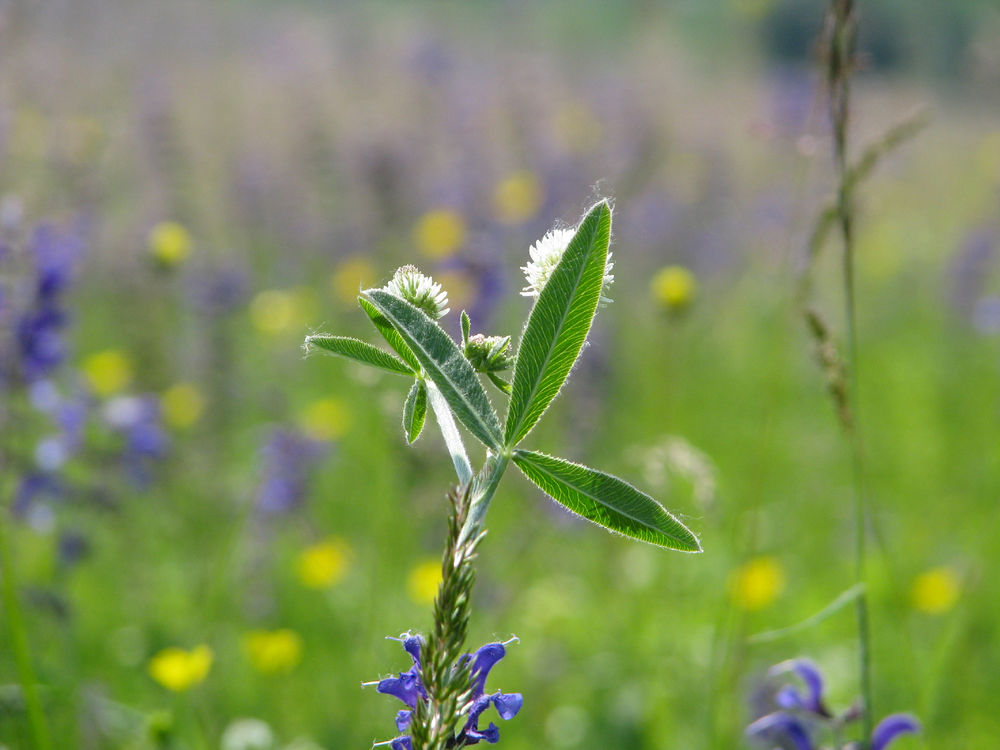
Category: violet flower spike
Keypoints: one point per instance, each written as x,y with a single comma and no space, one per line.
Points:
408,687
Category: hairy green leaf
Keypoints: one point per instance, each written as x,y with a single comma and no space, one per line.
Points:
358,350
606,500
444,363
414,411
389,333
558,324
466,327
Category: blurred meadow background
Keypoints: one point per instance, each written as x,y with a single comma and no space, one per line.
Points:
212,535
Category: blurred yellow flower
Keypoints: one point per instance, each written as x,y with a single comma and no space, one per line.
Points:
517,198
439,233
351,276
325,419
108,371
674,287
935,591
182,405
275,311
324,564
272,651
757,583
422,583
179,670
169,243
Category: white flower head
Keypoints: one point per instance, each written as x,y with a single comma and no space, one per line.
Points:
419,290
545,256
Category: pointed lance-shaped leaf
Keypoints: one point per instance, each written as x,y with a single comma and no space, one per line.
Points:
606,500
414,411
443,362
389,333
358,350
559,323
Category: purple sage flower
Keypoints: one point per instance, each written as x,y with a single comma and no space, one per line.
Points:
288,457
409,688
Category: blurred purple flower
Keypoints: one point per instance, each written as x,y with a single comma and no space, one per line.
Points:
970,267
288,457
986,314
137,420
39,324
217,291
409,688
791,697
802,715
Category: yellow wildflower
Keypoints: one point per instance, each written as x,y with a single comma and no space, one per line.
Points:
276,311
674,287
108,371
272,651
935,591
179,670
169,243
325,419
351,276
517,198
422,583
324,564
183,405
439,233
757,583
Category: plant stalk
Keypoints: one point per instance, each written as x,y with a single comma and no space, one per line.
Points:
841,48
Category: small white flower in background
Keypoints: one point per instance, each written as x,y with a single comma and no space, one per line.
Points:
419,290
545,256
247,734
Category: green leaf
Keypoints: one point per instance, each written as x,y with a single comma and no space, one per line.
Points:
558,324
466,327
444,364
414,411
390,334
499,382
606,500
359,351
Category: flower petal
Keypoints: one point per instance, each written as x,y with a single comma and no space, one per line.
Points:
891,727
482,662
412,644
508,705
403,719
790,697
781,725
406,687
402,743
491,735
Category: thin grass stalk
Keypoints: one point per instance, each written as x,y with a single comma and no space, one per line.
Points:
841,44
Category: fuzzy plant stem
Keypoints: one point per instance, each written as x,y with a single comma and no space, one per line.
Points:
840,48
439,721
19,637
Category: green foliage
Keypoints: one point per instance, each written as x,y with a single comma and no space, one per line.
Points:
359,351
444,364
559,324
389,333
414,411
606,500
